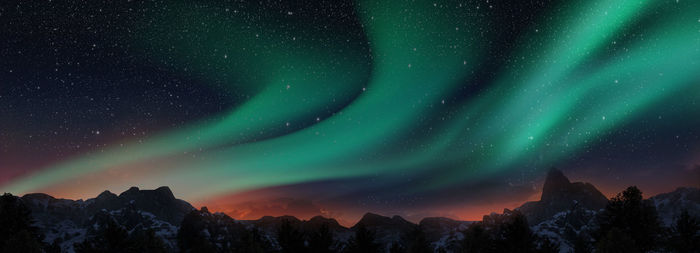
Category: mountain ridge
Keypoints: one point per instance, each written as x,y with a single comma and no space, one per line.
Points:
565,208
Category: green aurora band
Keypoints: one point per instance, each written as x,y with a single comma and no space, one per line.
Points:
568,85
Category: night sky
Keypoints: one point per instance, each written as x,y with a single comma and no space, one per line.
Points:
418,108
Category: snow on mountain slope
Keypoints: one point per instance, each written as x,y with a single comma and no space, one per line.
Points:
670,205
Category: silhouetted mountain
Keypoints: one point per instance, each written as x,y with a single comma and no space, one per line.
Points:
202,231
443,232
559,195
375,221
72,221
271,224
387,230
565,213
670,205
317,221
565,209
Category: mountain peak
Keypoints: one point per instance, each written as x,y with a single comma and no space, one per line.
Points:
559,194
131,191
38,196
554,184
375,220
371,219
318,221
164,192
398,218
106,195
321,219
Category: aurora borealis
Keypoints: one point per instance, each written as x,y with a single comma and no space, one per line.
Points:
419,107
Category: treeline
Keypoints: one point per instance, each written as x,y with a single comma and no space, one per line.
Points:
627,224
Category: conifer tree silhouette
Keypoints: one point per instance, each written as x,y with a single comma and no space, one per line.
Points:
16,231
363,241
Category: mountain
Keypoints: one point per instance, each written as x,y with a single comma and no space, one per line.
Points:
443,232
204,231
669,205
559,195
271,224
565,212
72,221
387,230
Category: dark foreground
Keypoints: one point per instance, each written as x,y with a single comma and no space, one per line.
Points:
570,217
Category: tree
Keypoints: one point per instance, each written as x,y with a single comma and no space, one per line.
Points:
515,235
147,241
252,242
396,248
632,217
363,241
191,237
16,231
321,240
616,241
685,234
547,246
54,247
290,239
476,239
417,242
112,238
582,243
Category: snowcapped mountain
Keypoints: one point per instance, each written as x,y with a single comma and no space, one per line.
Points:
443,233
560,195
670,205
387,229
66,222
566,212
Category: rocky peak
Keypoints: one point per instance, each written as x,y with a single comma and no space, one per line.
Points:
164,192
130,192
374,221
560,195
558,188
318,221
555,185
106,195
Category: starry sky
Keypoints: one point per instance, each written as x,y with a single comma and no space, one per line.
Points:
339,107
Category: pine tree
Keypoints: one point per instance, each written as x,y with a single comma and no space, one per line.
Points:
112,238
396,248
16,231
515,235
582,244
547,246
290,239
146,241
417,242
190,237
616,241
685,234
252,242
631,216
476,239
363,241
321,240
